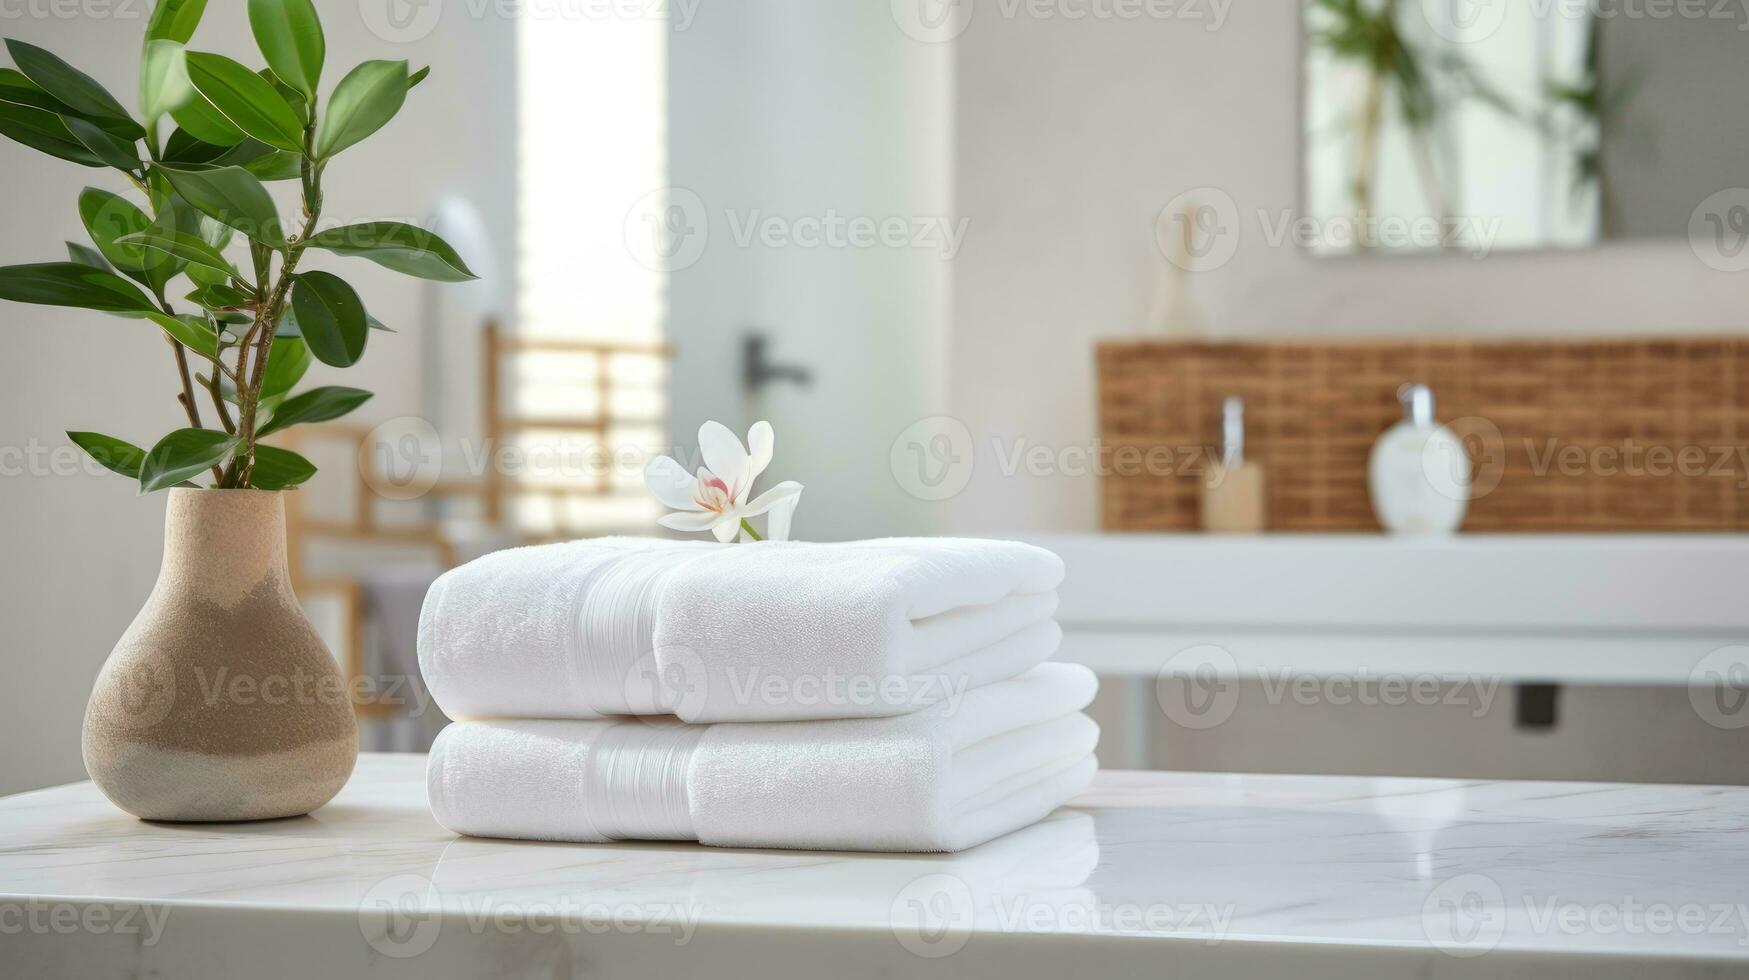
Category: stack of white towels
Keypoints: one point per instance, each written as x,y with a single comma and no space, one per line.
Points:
876,695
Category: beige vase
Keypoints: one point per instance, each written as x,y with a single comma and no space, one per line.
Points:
221,702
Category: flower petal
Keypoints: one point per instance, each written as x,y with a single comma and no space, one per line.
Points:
671,484
777,520
724,455
689,521
761,443
726,530
771,498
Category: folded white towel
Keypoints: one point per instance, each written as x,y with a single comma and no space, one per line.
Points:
952,775
770,631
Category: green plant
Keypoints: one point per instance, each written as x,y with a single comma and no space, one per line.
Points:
1422,80
253,331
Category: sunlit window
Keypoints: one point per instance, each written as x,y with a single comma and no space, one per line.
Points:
586,351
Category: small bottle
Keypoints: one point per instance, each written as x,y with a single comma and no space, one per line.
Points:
1419,472
1232,494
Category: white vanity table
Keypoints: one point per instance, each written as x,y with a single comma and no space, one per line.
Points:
1149,874
1564,609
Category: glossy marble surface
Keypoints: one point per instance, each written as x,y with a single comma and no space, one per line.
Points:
1214,875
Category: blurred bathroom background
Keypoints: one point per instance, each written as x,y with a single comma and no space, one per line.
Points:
993,267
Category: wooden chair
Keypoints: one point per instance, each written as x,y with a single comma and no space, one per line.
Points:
493,489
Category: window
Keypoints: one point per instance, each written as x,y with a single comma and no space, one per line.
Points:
585,354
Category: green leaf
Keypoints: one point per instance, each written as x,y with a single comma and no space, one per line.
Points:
242,154
290,38
231,195
207,124
414,79
330,318
174,215
111,453
277,469
183,147
183,454
245,99
376,324
315,405
276,165
221,296
192,249
164,81
86,255
368,97
42,130
292,96
174,20
18,90
107,147
403,248
191,332
73,88
286,363
202,275
198,116
109,218
72,284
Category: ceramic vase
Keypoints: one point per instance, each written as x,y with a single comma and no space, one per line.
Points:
221,703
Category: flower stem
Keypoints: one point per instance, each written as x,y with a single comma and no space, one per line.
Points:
749,529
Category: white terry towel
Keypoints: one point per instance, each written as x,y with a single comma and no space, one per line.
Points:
770,631
945,778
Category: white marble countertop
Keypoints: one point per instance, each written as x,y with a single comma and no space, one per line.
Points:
1155,874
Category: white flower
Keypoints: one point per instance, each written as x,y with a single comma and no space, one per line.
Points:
715,499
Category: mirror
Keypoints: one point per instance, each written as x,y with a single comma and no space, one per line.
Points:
1475,126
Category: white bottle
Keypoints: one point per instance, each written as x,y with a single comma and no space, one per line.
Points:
1419,471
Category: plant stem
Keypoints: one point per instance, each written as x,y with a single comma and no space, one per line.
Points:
755,535
219,402
187,395
268,312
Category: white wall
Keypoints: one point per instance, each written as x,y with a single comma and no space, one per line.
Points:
1071,135
79,553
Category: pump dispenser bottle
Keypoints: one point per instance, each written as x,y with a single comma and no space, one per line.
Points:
1419,472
